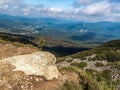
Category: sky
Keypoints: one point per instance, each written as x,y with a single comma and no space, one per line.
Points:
82,10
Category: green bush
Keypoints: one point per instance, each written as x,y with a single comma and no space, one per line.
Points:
59,60
105,75
110,56
80,65
41,43
69,60
83,55
90,71
98,64
69,68
113,56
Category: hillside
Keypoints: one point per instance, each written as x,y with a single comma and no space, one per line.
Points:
98,65
23,66
89,69
57,47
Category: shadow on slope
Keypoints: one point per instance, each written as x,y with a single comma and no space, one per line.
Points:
61,51
58,50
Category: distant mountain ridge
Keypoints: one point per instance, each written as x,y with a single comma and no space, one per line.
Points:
67,30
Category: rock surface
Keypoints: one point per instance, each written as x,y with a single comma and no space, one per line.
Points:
38,63
17,72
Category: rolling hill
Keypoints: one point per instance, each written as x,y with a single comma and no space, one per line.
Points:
93,34
99,67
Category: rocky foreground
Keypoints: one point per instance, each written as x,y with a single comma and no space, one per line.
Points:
38,63
31,71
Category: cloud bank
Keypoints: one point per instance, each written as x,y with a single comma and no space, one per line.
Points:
84,10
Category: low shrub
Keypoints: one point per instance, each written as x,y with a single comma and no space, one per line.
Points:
80,65
70,86
98,64
59,60
69,60
90,71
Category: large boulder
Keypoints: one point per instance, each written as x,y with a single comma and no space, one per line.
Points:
38,63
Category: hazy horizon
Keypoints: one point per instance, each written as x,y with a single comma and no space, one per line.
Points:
82,10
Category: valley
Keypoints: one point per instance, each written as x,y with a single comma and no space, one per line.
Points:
83,56
80,33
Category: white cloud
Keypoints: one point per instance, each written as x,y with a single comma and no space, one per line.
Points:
11,6
55,10
26,10
100,8
92,10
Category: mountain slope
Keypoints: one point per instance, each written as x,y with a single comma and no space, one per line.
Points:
67,30
96,66
15,62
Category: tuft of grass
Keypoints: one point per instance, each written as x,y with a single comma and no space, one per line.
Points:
98,64
98,81
3,41
70,86
69,60
59,60
79,65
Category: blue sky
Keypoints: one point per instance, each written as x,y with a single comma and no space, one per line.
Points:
53,3
82,10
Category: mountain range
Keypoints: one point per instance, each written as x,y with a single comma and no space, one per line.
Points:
66,30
